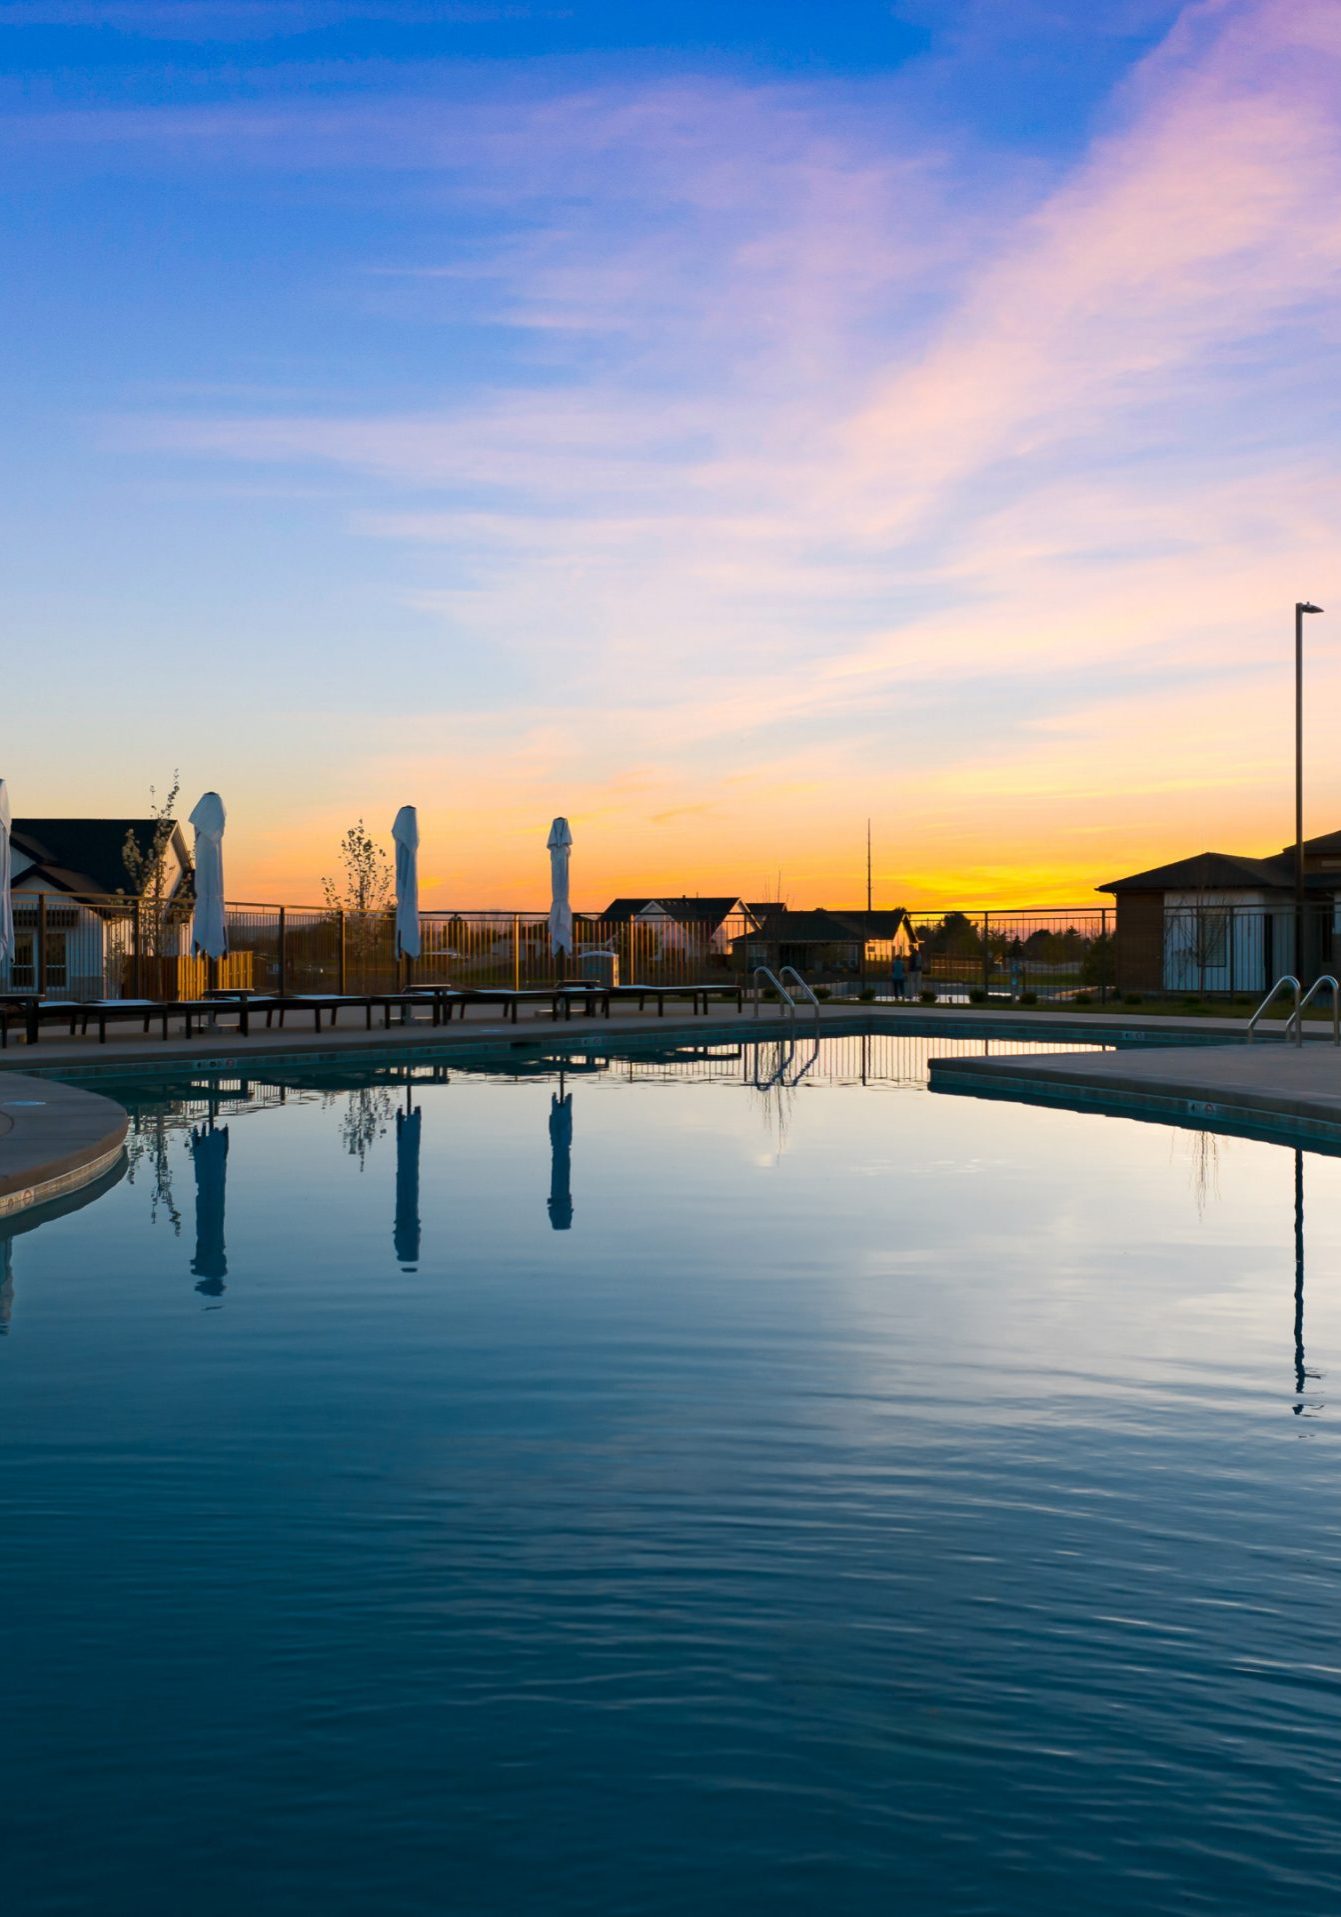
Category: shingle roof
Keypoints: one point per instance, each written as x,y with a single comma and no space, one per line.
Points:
686,911
1221,871
1319,847
822,927
85,855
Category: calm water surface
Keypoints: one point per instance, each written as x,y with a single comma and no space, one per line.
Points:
659,1494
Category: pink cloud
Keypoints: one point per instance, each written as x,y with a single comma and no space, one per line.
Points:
822,439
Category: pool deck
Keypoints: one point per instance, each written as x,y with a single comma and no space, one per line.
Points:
128,1045
54,1139
1198,1070
1267,1090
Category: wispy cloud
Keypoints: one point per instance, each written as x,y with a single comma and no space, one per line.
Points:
811,420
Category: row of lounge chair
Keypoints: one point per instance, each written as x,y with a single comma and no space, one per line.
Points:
30,1013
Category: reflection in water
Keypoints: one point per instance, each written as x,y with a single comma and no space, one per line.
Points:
561,1159
367,1115
405,1236
1301,1372
1205,1169
502,1549
6,1282
209,1156
149,1145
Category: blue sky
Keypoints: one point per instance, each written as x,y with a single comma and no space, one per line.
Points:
717,423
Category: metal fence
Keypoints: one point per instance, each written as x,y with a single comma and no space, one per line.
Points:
1053,955
1199,948
85,947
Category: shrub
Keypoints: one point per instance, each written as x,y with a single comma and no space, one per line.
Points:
1131,998
977,996
1083,998
821,991
1029,998
866,994
928,997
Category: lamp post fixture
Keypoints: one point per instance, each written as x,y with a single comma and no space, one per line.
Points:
1302,606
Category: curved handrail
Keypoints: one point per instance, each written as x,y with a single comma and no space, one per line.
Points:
1295,1022
1270,999
805,988
762,971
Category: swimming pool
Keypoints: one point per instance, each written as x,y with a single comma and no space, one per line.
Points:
678,1485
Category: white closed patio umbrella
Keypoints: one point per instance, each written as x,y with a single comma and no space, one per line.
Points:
405,833
6,900
560,842
209,927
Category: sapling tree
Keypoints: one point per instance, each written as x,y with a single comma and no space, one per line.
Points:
361,890
363,883
148,869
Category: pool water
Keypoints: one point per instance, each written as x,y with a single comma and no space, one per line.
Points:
661,1489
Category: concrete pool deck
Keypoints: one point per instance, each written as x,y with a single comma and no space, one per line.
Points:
1268,1090
1197,1070
127,1044
54,1139
56,1136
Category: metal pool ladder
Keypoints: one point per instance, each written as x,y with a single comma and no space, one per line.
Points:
805,988
762,972
1296,1018
1281,984
788,1002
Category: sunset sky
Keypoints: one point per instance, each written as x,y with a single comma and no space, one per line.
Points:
715,420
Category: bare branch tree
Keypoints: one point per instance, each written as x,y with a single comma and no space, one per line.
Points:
147,865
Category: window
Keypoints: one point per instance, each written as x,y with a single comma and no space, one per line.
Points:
23,966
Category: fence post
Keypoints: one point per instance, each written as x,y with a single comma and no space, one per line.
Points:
986,955
516,952
41,945
137,952
1109,956
341,966
283,956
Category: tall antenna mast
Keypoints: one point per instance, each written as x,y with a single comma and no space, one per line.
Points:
868,865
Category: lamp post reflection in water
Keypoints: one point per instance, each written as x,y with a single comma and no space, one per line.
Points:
209,1158
406,1234
561,1159
1301,1372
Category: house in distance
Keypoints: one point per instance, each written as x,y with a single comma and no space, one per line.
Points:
75,903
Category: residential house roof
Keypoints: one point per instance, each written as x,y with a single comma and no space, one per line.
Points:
85,855
819,926
1207,871
694,911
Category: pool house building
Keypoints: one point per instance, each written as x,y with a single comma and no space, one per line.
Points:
1223,922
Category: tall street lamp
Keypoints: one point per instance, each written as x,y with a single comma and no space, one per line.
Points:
1301,607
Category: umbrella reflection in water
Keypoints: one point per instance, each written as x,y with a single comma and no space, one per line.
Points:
561,1159
6,1282
405,1235
209,1157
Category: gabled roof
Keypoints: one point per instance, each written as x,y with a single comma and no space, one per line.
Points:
86,855
1208,871
1329,842
684,911
822,927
